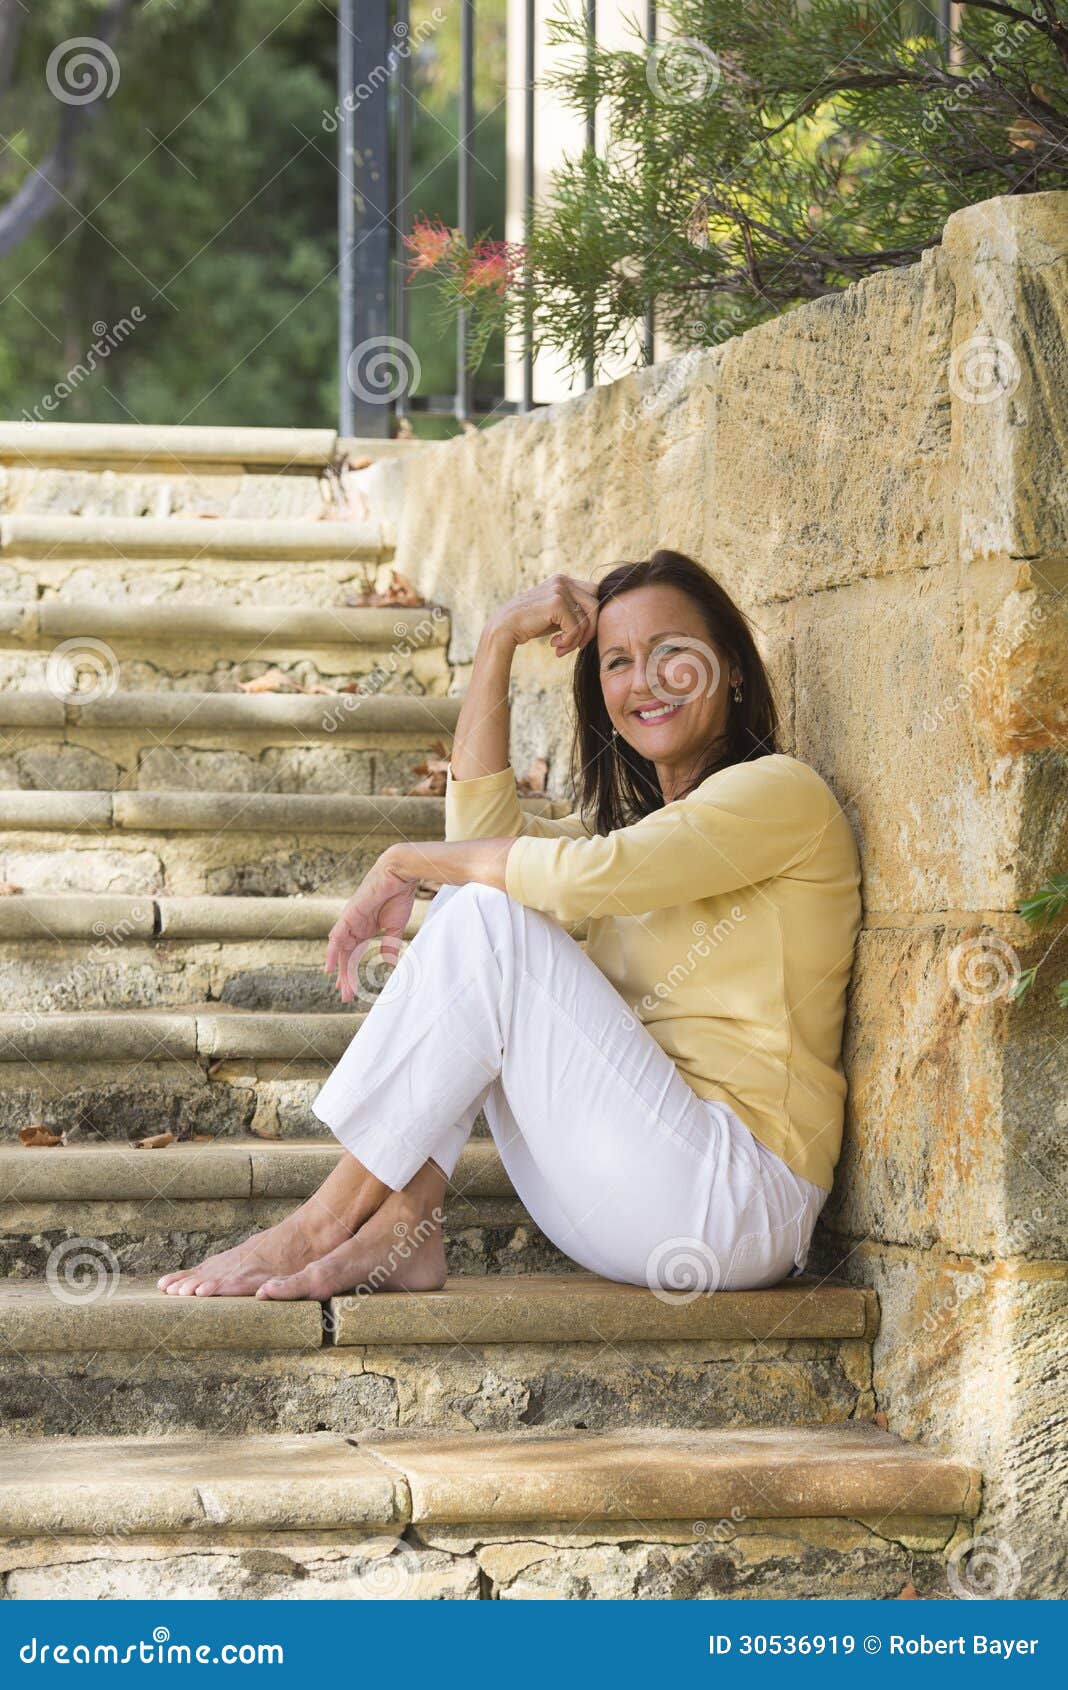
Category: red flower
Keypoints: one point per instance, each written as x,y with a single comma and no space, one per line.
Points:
429,242
493,265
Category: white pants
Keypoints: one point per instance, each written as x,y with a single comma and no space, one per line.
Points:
623,1167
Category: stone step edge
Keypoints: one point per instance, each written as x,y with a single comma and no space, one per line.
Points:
190,713
195,1173
171,537
269,628
113,919
131,811
117,919
133,444
120,1313
322,1481
204,1035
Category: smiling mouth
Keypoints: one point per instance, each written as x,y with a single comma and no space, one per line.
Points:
657,712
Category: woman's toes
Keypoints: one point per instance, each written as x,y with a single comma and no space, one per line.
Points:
205,1288
307,1285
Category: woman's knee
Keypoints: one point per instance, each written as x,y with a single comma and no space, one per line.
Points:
472,895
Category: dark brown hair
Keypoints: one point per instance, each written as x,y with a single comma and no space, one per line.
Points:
613,784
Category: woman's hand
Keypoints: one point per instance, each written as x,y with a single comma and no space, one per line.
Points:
381,904
563,605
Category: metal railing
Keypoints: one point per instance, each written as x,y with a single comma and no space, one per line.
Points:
375,112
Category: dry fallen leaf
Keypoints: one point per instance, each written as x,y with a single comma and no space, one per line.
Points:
399,592
908,1593
881,1420
359,463
7,890
272,680
39,1137
432,785
154,1141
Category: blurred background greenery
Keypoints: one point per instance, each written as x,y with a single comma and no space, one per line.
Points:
204,192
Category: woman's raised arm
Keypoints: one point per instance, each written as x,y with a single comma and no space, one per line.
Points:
563,606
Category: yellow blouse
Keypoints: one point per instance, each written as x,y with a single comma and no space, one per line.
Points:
727,920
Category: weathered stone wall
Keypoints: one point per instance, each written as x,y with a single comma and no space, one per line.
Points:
879,479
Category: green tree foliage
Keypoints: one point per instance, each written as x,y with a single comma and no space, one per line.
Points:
203,192
768,152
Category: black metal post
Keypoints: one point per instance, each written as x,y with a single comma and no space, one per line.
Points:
528,199
591,143
364,236
649,325
465,209
402,122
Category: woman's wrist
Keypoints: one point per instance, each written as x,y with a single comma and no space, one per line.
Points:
497,636
397,860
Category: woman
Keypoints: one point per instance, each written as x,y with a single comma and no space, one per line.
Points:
668,1103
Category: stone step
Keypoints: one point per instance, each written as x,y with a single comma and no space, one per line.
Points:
364,816
124,920
129,446
131,920
162,645
796,1511
121,973
254,539
120,1313
158,1210
269,629
208,1033
90,1099
190,844
92,470
99,953
174,741
161,716
87,1348
194,1173
276,559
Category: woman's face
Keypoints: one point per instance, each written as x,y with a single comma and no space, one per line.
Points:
665,682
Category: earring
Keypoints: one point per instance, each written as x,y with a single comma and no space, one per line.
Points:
738,693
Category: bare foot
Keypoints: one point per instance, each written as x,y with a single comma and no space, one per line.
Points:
283,1248
401,1248
346,1198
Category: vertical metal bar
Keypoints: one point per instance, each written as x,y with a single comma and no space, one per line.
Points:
942,10
402,121
649,325
465,190
364,235
528,199
591,143
346,211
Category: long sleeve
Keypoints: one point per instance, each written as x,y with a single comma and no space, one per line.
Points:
742,825
488,807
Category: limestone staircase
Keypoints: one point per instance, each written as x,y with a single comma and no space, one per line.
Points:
175,849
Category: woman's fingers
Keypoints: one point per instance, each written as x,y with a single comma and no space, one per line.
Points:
346,933
579,619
